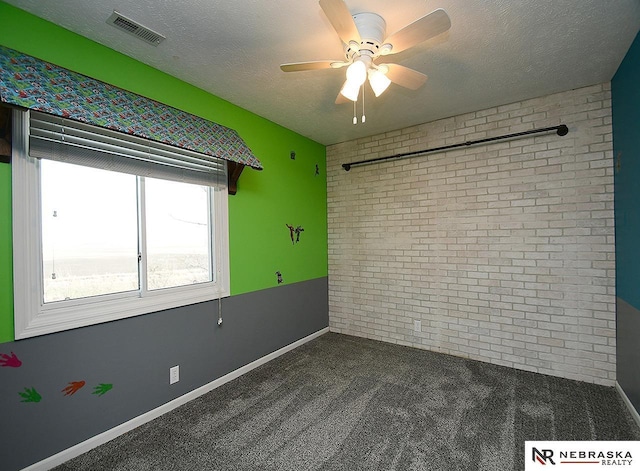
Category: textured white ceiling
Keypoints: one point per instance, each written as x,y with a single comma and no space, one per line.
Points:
496,52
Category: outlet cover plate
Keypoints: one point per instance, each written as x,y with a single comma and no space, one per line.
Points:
174,374
417,326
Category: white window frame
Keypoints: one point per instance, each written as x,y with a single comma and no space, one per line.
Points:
32,317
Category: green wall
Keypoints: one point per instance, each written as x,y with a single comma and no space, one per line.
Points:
286,192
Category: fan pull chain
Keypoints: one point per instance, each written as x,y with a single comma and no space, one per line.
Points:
355,120
363,116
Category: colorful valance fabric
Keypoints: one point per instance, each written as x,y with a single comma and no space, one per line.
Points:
31,83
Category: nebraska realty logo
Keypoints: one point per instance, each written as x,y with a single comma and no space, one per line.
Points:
582,455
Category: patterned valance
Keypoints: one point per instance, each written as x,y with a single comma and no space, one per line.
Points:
31,83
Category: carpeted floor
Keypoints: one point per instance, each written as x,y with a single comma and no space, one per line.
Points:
346,403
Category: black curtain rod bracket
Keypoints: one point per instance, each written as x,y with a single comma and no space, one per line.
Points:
561,130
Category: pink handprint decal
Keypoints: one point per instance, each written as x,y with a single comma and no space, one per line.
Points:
73,388
9,360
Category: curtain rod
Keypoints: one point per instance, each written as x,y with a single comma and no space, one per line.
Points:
561,130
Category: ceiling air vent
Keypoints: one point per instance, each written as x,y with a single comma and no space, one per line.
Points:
136,29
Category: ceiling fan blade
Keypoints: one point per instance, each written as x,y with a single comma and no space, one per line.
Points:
404,76
424,28
300,66
340,18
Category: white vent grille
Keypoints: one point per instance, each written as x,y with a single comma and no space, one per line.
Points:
136,29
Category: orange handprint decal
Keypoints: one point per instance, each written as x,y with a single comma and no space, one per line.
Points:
73,388
10,360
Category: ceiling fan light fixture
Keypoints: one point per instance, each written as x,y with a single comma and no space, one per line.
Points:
357,73
379,81
350,90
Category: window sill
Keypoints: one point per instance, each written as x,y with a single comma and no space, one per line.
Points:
52,318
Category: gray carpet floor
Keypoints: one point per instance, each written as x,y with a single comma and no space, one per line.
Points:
347,403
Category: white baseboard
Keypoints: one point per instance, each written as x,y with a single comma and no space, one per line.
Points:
625,399
121,429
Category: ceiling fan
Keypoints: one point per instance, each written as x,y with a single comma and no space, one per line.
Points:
364,42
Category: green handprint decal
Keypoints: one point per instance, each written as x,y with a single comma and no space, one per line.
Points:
30,395
102,388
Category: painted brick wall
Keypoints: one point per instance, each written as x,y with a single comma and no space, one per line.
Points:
504,252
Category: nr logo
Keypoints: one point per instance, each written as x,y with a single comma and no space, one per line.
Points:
542,456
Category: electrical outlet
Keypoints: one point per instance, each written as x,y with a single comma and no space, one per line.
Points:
174,374
417,325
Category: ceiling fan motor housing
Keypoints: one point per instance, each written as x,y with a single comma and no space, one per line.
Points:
371,27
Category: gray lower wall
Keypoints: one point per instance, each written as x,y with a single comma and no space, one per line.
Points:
628,356
135,356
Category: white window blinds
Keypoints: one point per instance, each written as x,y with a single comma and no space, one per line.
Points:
56,138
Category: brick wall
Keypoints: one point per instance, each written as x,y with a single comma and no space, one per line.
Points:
503,252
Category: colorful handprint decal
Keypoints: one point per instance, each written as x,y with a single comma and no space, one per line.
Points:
73,388
11,361
30,395
102,388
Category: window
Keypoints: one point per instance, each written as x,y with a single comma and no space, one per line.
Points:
102,231
89,243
